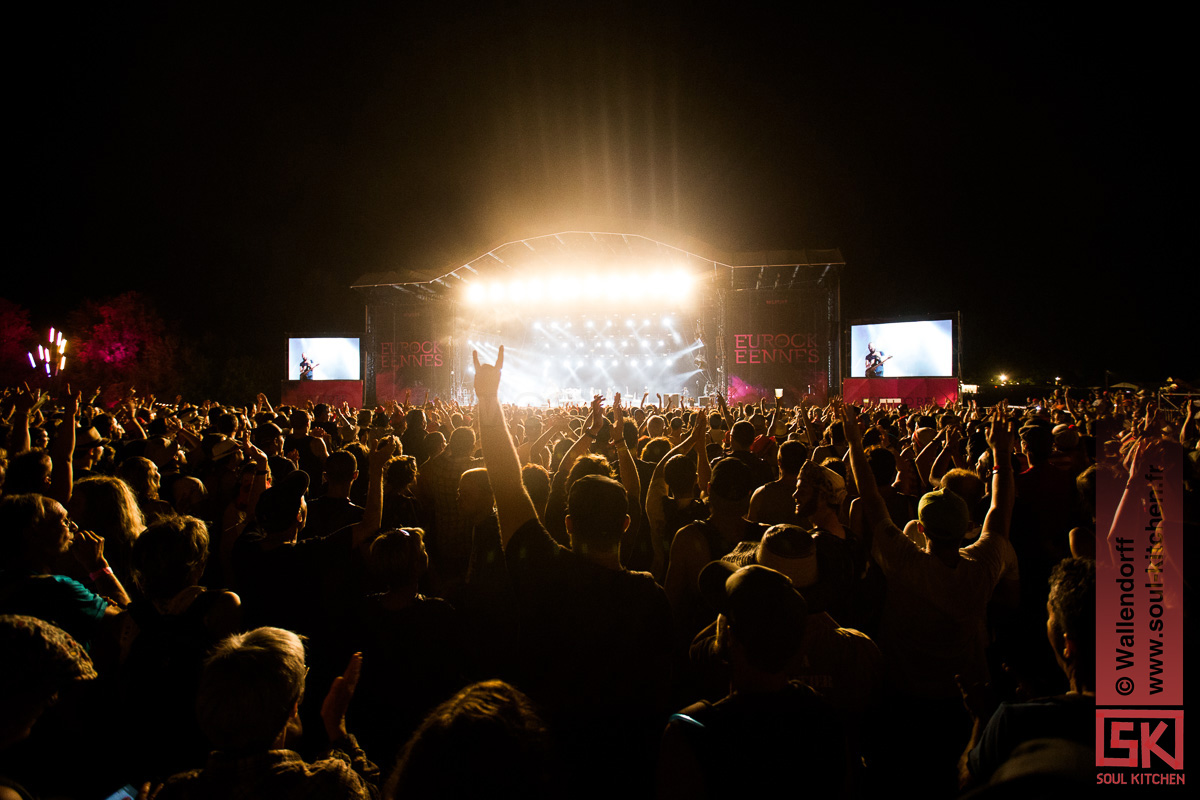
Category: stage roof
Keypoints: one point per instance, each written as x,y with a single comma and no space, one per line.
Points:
601,250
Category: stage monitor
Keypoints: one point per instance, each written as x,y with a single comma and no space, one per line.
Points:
329,358
916,349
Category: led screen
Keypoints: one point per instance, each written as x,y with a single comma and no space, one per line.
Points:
903,349
332,358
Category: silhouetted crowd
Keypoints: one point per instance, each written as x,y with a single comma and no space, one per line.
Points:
443,600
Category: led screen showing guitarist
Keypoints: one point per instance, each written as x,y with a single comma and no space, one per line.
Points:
306,367
875,361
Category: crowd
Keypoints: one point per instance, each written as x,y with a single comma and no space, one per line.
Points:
434,599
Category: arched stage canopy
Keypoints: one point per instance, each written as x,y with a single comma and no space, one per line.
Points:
600,310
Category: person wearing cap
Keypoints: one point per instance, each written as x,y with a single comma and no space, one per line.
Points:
934,624
769,732
283,579
842,664
595,638
1046,509
89,447
707,539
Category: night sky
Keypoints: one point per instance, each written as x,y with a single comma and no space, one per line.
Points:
243,167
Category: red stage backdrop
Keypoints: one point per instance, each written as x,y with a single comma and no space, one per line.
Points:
297,393
910,391
408,351
776,340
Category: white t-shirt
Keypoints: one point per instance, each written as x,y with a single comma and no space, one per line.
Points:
935,617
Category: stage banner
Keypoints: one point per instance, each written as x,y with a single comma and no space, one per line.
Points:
912,392
776,340
297,393
408,353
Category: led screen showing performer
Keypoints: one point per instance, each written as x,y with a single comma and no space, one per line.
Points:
875,361
324,359
922,349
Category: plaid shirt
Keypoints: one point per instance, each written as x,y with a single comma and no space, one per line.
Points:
275,774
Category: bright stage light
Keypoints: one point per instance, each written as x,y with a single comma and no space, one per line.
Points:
476,293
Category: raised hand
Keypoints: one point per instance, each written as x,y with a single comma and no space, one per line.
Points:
487,376
849,419
382,452
999,435
337,702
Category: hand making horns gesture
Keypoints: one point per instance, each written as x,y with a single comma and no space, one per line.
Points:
487,376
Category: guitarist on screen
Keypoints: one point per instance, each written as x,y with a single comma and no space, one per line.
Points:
306,368
875,361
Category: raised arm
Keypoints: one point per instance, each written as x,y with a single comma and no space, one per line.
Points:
629,474
513,506
553,427
999,515
874,508
365,530
591,429
63,450
25,403
947,459
810,430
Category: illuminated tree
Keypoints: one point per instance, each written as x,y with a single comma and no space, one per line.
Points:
123,342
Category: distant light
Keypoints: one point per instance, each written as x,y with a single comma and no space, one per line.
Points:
32,361
1003,378
645,322
52,336
666,322
628,323
590,324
